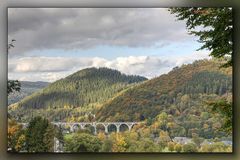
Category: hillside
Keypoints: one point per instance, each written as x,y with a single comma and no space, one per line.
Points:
27,88
71,98
193,83
176,102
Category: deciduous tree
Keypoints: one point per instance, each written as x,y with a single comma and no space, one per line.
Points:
213,26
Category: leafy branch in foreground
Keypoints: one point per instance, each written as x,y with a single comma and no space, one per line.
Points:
213,26
13,85
223,107
11,45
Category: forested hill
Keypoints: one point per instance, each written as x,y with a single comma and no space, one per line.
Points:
27,88
74,96
182,93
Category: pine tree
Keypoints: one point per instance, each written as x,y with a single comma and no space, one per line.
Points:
48,138
35,135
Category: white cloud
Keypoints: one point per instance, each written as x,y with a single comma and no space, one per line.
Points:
53,68
47,64
147,66
189,58
47,77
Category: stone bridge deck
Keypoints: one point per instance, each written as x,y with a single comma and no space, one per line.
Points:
74,126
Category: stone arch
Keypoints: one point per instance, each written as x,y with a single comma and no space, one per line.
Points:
123,127
75,127
101,127
112,128
67,127
90,127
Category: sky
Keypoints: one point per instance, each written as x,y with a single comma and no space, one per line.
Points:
53,43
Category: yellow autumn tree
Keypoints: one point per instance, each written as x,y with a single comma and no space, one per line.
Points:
163,139
20,142
101,136
119,143
16,138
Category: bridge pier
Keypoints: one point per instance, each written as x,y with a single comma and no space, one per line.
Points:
130,126
118,127
71,128
82,126
95,128
106,128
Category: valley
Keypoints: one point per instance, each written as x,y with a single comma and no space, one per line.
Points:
165,108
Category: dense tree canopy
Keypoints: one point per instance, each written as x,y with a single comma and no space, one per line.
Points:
169,106
82,142
178,93
16,136
214,27
225,108
72,98
39,135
